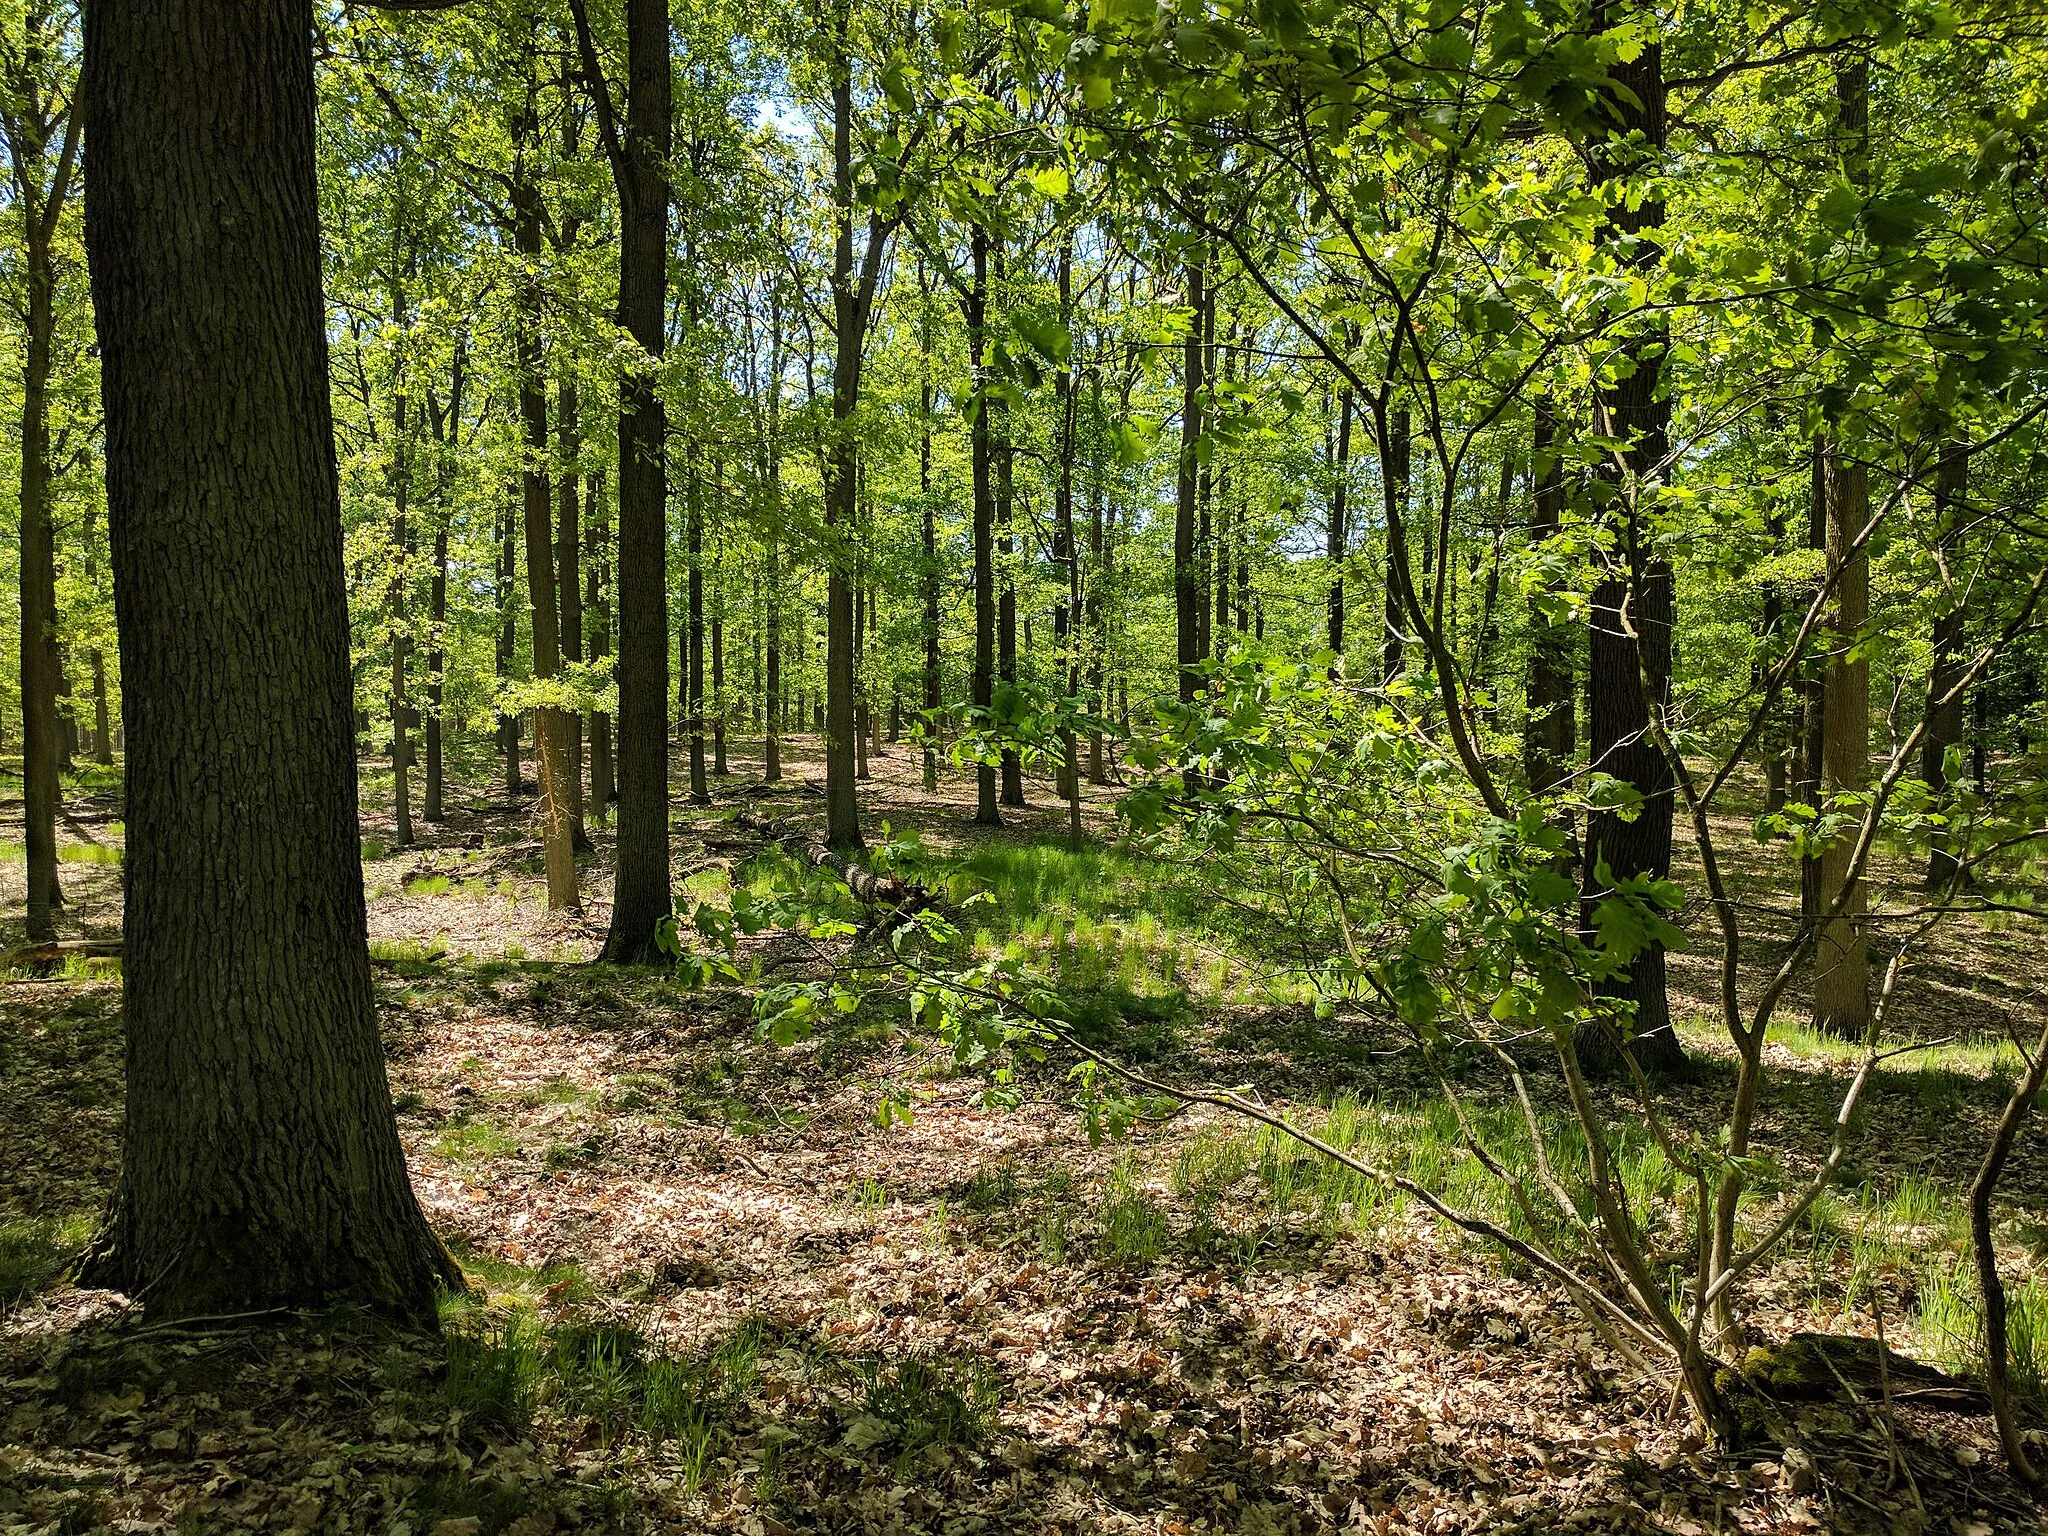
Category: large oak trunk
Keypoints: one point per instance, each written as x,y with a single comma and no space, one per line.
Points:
261,1165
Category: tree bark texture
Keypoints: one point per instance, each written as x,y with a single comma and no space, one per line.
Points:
641,895
260,1165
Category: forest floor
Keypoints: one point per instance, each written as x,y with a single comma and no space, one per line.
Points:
713,1293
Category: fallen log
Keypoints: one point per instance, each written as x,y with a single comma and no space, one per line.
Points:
1819,1367
60,950
902,896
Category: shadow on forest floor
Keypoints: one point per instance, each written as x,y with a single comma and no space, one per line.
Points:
712,1293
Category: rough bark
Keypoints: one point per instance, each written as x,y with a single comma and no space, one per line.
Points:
641,894
260,1164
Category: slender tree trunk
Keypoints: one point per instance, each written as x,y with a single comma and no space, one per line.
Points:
771,750
1772,739
1006,584
1550,731
550,736
1188,587
260,1161
507,646
1396,471
1098,631
693,683
447,428
41,666
401,634
718,696
437,663
1841,962
598,624
862,711
102,734
641,894
982,685
569,580
1944,702
842,807
928,583
874,630
1629,655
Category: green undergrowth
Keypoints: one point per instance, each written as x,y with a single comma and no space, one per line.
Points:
67,853
519,1351
34,1251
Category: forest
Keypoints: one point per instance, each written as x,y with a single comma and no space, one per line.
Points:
897,766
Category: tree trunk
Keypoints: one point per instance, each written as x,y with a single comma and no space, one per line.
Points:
569,582
1096,611
928,584
842,808
862,711
102,734
775,715
401,637
598,620
260,1164
550,734
1005,458
1629,656
41,666
982,687
641,895
1841,960
1187,580
1772,739
693,677
718,696
1395,472
1551,728
1944,701
447,429
507,646
437,663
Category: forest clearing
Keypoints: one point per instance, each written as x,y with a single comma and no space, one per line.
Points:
975,1321
928,766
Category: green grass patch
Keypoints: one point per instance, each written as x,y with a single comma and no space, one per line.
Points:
35,1250
475,1141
